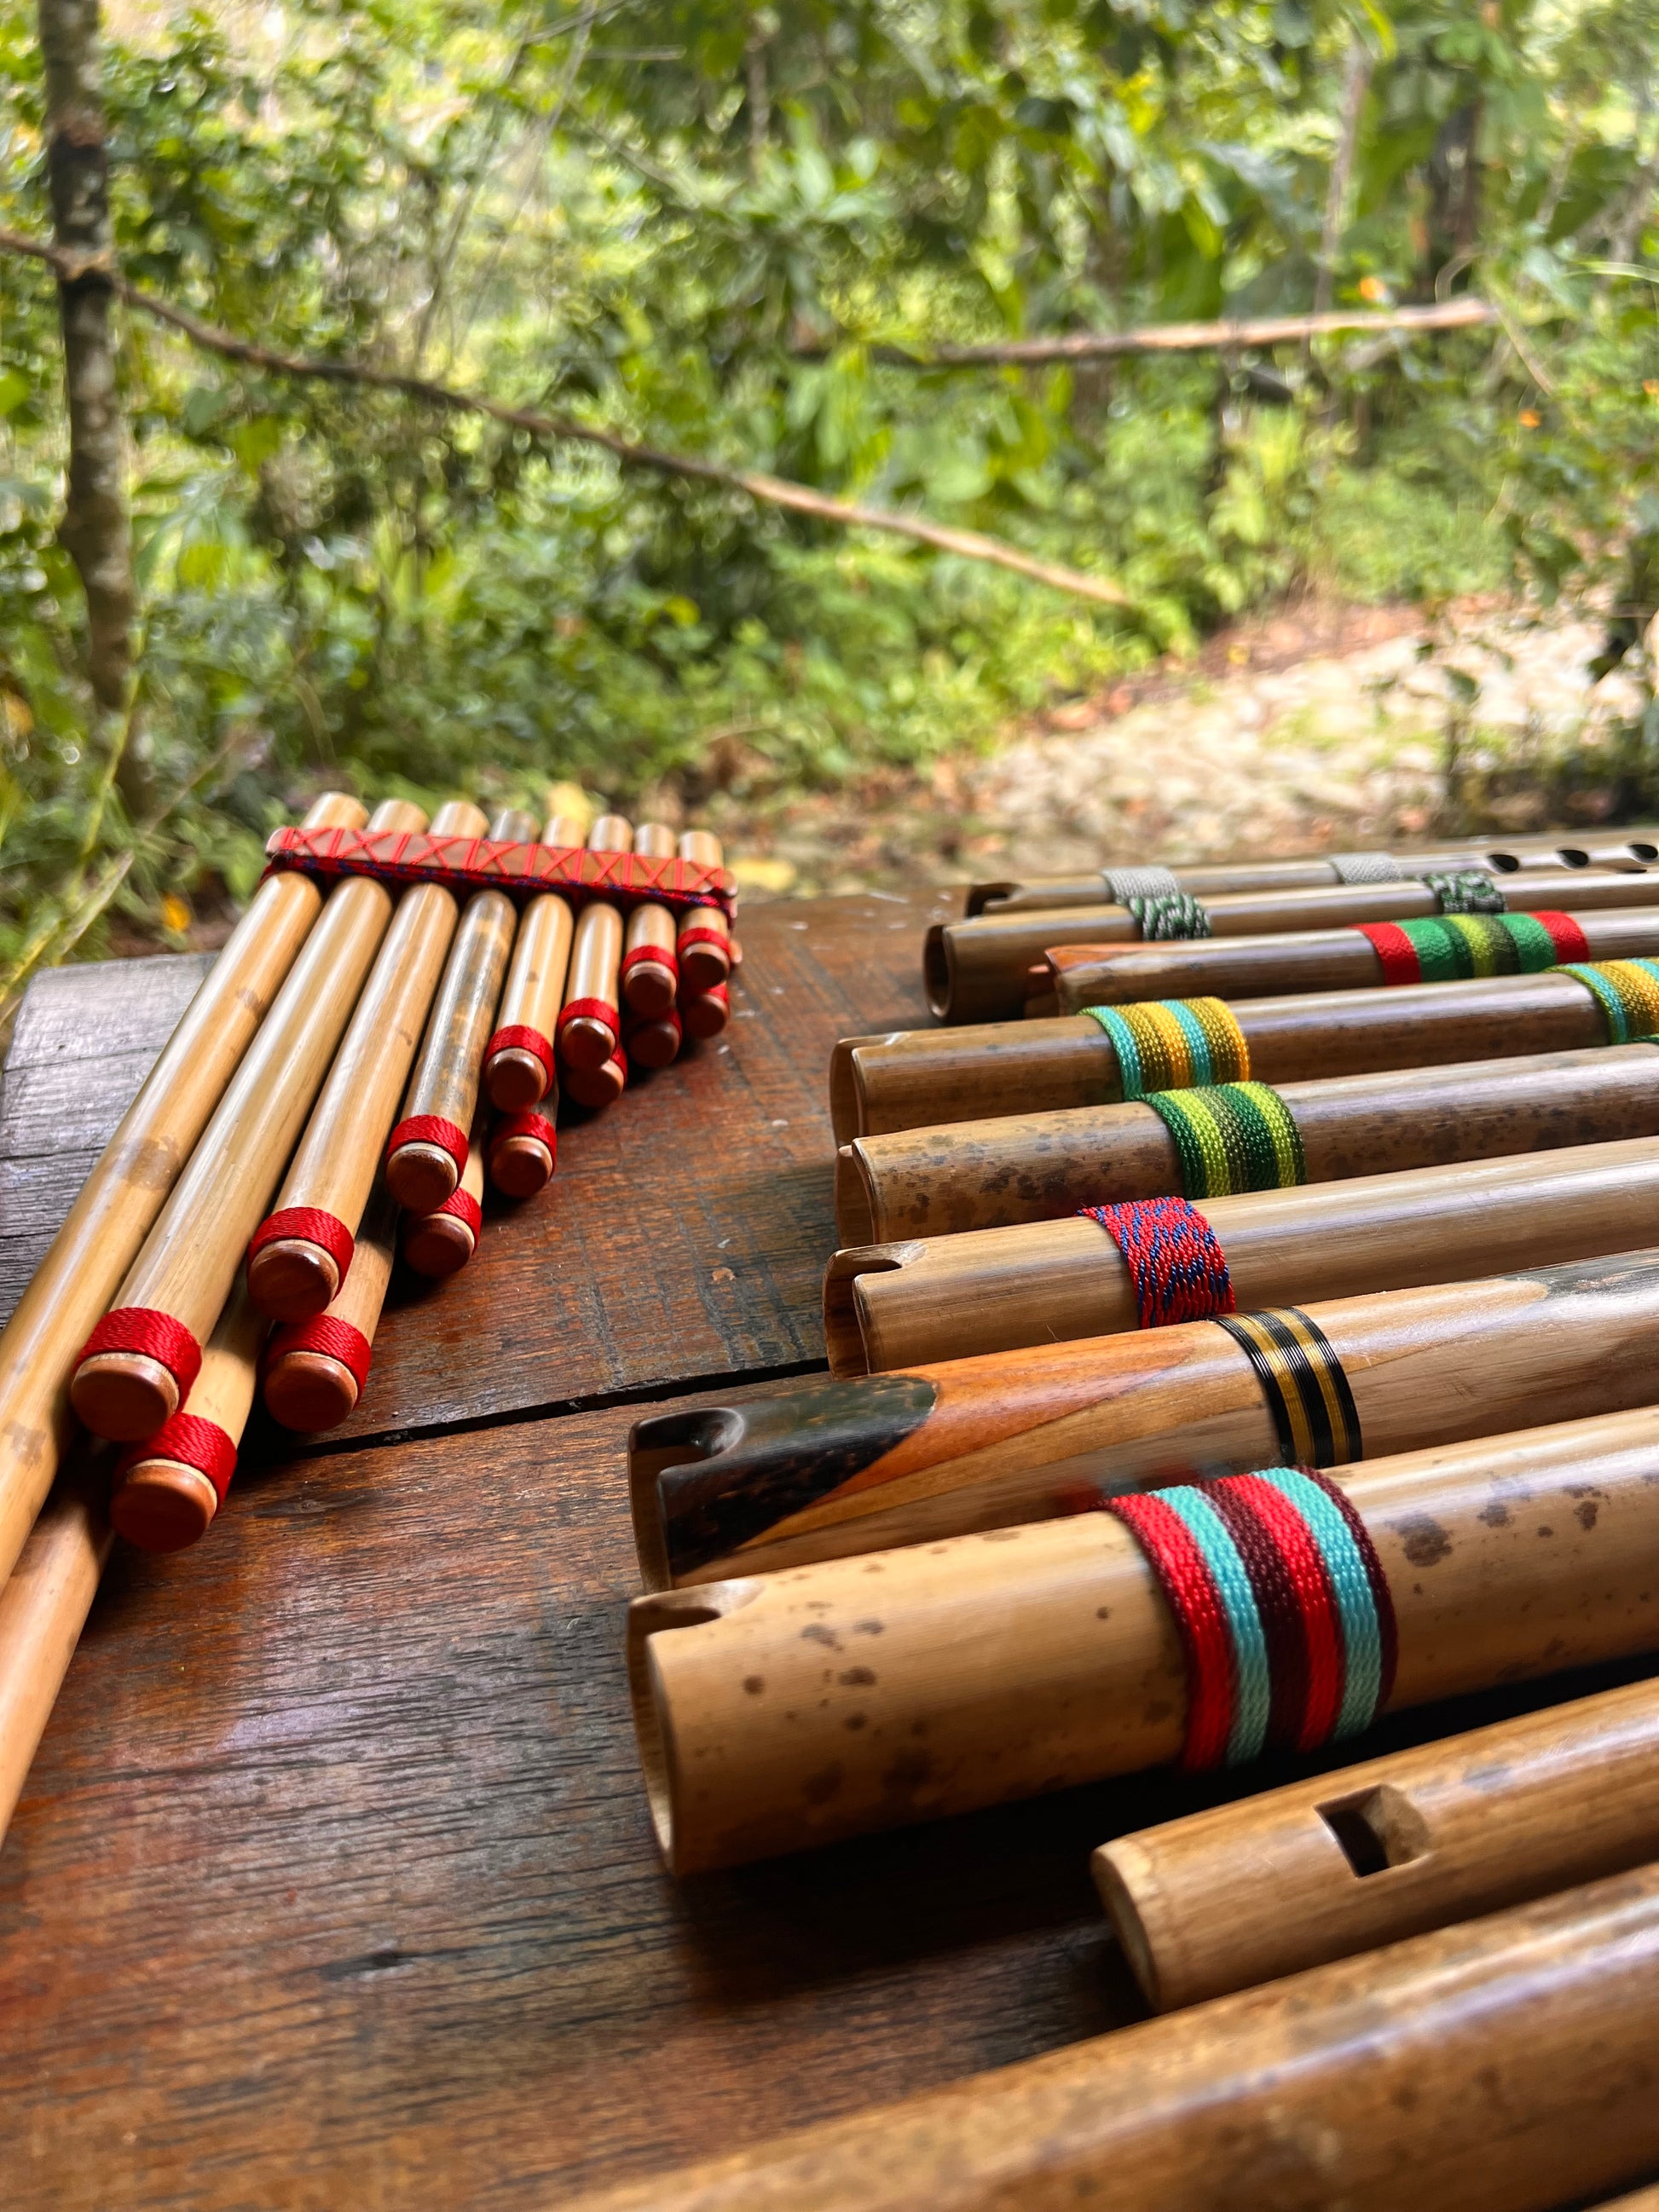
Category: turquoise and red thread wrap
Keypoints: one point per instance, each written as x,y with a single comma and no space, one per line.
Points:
1285,1615
1175,1262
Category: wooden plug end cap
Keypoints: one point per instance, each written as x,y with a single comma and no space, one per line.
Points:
585,1043
654,1044
703,966
291,1278
421,1177
515,1080
520,1166
309,1391
123,1396
649,988
595,1086
438,1244
702,1017
163,1506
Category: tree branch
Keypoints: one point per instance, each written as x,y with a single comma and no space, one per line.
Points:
769,490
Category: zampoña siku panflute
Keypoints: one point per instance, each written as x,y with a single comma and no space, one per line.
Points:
593,1070
118,1204
315,1371
518,1071
137,1365
979,971
302,1251
705,950
826,1468
167,1490
650,971
1371,1854
426,1153
1274,1609
1505,2064
441,1241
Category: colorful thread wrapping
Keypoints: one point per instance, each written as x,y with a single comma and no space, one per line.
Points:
1121,884
1464,891
1627,992
157,1335
431,1129
465,1208
312,1225
519,1037
590,1010
658,957
1314,1414
1173,1044
1366,868
189,1441
527,1124
1285,1616
1167,915
334,1340
1462,946
1230,1138
1175,1262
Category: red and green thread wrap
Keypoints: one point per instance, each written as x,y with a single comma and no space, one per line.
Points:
1231,1137
1285,1615
1175,1262
1458,947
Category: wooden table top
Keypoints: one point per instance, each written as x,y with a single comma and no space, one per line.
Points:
333,1884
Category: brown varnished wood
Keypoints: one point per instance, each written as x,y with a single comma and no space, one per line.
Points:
1035,1167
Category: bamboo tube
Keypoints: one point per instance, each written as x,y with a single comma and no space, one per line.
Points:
705,937
423,1161
295,1275
167,1491
976,971
521,1152
1369,1855
1504,2065
779,1711
994,1289
316,1370
118,1203
650,969
909,1078
590,1022
828,1469
442,1242
182,1276
704,1014
1072,977
519,1075
1037,1167
597,1087
656,1044
44,1604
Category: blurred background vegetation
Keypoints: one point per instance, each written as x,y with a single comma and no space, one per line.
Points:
735,232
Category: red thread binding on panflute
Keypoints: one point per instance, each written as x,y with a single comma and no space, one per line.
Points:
591,1010
704,932
189,1441
312,1225
1565,935
1394,949
465,1208
430,1129
518,1037
157,1335
659,956
335,1339
527,1124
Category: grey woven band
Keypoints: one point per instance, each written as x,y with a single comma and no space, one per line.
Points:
1366,868
1125,883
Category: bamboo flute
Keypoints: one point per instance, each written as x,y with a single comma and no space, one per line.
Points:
315,1370
1072,977
442,1242
1368,1854
426,1153
910,1079
141,1359
650,967
994,1289
1503,2065
118,1203
828,1469
518,1068
776,1712
977,970
1037,1167
167,1491
44,1604
302,1251
590,1022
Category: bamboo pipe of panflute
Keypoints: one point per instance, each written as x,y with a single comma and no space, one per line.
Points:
910,1078
977,971
1369,1855
993,1289
44,1602
650,969
424,1163
597,1087
292,1276
178,1285
315,1370
1501,2065
705,936
779,1711
590,1022
827,1468
518,1076
120,1199
1073,976
442,1242
1037,1167
167,1491
520,1152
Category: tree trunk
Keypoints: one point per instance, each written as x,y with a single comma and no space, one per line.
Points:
1336,196
94,530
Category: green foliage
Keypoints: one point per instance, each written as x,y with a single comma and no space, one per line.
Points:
694,222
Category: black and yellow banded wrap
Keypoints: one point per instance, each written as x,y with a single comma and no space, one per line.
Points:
1230,1138
1301,1380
